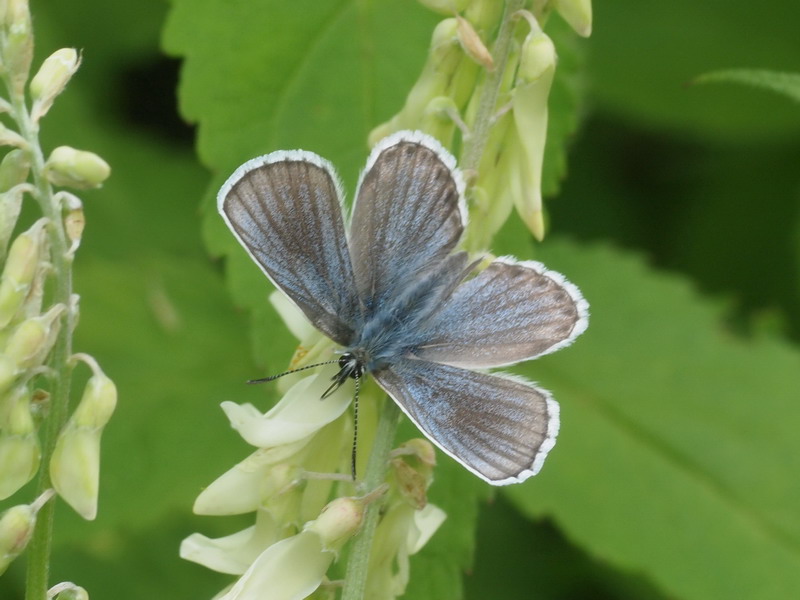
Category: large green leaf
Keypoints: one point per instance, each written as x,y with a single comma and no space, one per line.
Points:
678,451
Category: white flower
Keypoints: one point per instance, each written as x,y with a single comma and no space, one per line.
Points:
293,568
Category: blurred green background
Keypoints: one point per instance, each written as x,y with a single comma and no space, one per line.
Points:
676,472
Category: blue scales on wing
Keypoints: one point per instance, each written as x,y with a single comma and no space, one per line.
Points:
285,209
499,427
408,216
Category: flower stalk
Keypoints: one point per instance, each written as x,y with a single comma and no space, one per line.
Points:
358,561
38,310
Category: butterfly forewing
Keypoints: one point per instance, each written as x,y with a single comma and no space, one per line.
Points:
408,215
498,427
508,313
284,208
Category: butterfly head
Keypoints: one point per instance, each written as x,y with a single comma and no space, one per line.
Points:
350,366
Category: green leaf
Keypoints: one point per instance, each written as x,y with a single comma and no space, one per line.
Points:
787,84
678,450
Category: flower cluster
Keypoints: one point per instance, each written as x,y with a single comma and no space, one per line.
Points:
449,96
38,310
297,485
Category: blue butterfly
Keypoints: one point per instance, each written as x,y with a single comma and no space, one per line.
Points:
407,309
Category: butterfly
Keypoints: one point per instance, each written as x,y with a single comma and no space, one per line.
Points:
407,308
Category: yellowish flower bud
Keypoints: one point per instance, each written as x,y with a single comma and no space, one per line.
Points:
18,44
578,13
76,168
8,373
75,469
14,169
534,78
75,465
9,137
67,591
16,528
473,45
10,207
338,522
20,451
32,339
51,79
19,271
98,402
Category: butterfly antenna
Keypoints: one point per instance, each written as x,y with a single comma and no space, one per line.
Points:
289,372
355,428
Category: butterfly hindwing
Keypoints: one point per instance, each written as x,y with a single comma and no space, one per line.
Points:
284,208
499,427
508,313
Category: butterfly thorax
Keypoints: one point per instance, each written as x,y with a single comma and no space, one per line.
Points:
394,326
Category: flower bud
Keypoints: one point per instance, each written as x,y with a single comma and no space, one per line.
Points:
68,591
19,271
51,79
8,373
24,254
10,207
32,339
18,44
9,137
79,169
20,451
14,169
16,528
534,78
338,522
578,13
75,465
473,45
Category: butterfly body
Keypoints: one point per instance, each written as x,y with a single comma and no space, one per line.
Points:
396,327
403,304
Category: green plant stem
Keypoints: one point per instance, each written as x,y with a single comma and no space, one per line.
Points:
38,552
487,105
358,562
